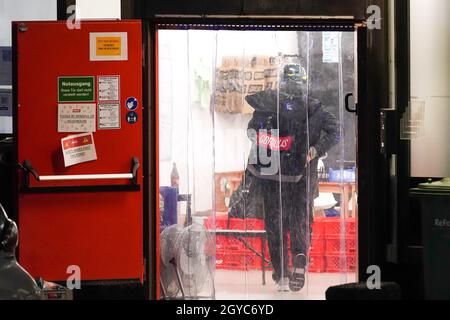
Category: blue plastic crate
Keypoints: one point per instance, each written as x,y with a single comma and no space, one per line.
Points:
344,175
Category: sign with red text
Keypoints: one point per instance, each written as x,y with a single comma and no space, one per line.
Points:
78,149
76,117
275,143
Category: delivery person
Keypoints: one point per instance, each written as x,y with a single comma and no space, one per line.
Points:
289,132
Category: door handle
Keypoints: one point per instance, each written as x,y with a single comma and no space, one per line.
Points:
347,104
29,170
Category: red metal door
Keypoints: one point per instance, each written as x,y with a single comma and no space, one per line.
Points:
88,214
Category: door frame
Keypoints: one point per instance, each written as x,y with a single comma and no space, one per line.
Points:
373,88
366,123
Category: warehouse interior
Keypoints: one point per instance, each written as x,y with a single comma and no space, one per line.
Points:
241,150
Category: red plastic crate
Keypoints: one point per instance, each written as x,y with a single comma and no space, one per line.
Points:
316,263
318,227
317,246
230,243
217,223
337,263
236,260
324,252
333,226
333,244
351,227
352,263
246,224
223,243
223,223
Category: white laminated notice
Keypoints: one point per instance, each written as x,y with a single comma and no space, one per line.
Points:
108,116
330,47
108,88
76,117
78,149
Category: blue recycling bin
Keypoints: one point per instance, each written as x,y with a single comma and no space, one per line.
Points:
169,215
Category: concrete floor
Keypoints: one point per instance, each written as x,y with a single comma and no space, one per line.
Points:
247,285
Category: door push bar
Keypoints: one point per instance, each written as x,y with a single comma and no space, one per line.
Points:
29,170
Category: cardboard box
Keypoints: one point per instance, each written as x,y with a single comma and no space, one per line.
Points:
238,77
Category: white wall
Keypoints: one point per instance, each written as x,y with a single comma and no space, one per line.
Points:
16,10
430,82
98,9
21,10
185,130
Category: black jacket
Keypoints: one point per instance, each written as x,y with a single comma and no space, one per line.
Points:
296,134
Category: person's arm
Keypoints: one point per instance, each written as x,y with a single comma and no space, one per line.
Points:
330,127
263,101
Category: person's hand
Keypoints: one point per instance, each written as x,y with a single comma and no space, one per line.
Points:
312,154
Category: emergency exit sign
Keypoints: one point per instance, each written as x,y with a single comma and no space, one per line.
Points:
76,89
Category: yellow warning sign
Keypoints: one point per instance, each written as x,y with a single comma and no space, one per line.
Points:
108,46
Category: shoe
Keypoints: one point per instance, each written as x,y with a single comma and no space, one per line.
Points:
283,285
297,279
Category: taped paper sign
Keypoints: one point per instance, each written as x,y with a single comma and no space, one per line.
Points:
108,116
108,88
78,149
108,46
76,117
330,47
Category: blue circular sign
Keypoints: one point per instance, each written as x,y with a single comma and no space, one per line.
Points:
131,104
132,117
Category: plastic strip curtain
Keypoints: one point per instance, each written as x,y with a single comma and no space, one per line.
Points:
249,118
186,64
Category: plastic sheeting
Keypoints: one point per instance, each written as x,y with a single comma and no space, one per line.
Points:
275,109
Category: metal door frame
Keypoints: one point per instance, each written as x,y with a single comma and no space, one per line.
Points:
150,100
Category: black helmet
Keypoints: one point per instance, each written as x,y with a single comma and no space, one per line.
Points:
293,77
294,73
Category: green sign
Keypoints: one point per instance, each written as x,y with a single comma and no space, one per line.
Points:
76,89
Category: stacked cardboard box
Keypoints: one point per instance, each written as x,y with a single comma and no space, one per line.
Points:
238,77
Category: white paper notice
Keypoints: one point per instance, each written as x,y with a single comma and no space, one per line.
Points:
5,104
330,47
108,116
108,88
76,117
78,149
